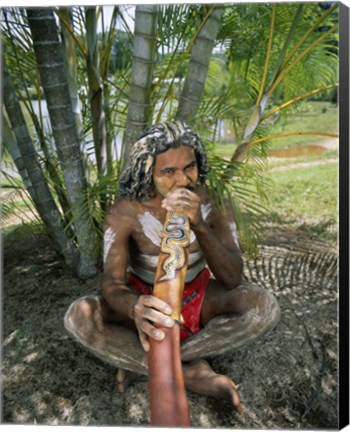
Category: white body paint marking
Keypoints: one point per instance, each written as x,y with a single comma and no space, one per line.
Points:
108,239
205,210
152,260
148,275
234,232
152,228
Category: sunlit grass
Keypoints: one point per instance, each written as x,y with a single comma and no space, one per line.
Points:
312,116
303,197
284,162
306,196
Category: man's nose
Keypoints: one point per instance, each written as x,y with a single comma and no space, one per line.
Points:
182,179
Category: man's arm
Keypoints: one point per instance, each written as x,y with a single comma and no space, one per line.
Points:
144,310
216,237
117,232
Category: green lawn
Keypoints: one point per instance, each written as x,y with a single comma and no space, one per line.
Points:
306,197
313,116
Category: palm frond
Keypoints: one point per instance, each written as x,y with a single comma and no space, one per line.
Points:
246,192
17,202
106,186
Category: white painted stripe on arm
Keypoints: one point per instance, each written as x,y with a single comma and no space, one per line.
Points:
108,239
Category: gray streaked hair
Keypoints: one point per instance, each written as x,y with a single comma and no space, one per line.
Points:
136,180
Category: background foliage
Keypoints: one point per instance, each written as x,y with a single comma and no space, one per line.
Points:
265,63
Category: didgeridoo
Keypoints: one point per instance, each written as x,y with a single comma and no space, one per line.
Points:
168,400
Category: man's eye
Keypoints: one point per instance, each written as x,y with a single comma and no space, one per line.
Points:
168,171
191,167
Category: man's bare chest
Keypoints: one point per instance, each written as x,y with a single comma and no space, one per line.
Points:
149,228
148,235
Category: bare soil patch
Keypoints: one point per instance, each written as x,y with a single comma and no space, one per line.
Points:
326,145
287,379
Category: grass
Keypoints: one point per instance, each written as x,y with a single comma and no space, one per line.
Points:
16,207
14,233
306,197
311,116
331,154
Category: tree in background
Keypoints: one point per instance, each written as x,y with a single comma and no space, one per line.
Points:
238,63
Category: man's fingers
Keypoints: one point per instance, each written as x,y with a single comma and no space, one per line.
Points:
182,192
158,318
151,331
185,204
158,304
151,311
182,200
144,341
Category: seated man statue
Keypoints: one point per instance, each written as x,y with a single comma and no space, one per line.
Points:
166,170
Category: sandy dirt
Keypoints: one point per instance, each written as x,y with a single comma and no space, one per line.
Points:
287,379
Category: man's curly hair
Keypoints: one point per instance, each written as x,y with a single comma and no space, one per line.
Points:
136,180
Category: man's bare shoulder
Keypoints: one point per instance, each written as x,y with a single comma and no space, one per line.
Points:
123,211
125,206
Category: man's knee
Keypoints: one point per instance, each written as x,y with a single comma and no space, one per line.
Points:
258,302
79,313
266,307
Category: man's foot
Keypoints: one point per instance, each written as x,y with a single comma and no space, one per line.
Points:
124,379
200,378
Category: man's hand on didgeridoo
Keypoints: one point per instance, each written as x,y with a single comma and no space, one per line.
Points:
184,201
148,311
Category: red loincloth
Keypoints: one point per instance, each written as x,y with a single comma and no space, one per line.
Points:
192,300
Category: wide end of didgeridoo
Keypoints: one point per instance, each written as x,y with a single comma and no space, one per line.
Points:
167,393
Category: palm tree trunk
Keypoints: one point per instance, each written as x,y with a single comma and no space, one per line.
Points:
139,110
28,166
96,91
48,52
70,59
198,67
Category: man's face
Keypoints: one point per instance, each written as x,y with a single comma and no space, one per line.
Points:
175,168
